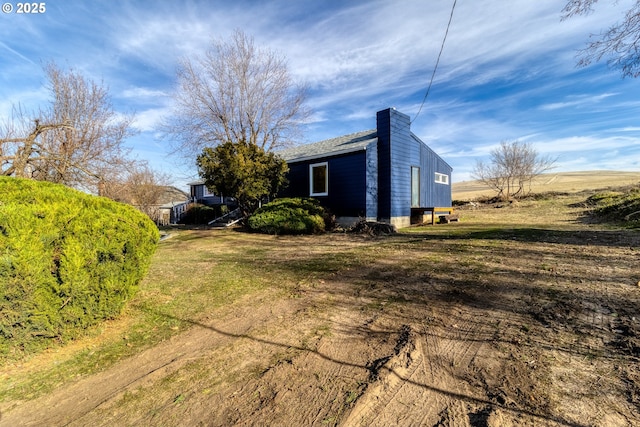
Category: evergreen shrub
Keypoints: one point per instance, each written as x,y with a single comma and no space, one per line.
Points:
202,214
68,260
290,216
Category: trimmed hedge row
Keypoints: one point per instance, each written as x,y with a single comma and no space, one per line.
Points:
289,216
202,214
68,260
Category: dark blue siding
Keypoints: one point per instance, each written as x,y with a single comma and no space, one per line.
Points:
396,156
298,177
398,151
347,183
386,182
384,164
434,193
403,155
205,197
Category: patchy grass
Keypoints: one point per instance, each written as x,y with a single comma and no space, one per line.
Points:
566,182
192,273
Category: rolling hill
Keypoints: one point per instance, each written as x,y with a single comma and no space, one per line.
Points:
569,182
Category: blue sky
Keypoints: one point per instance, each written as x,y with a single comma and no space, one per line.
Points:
507,71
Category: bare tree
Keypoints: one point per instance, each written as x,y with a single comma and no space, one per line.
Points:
139,186
19,145
236,92
620,42
512,168
76,140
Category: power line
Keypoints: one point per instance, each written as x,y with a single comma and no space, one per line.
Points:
437,61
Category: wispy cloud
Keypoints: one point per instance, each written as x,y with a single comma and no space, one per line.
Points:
149,120
16,53
144,93
507,71
577,101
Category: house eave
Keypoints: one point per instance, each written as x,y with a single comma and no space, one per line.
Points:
326,155
416,138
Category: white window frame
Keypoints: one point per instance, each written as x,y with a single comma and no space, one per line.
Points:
326,178
415,186
442,178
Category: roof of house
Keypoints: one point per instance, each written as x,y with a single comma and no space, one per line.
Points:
172,195
330,147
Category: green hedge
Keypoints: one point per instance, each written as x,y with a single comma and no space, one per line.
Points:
202,214
289,216
68,260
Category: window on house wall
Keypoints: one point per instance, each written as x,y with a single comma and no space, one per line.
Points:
415,186
442,178
319,179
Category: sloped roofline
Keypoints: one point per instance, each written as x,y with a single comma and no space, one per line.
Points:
350,143
414,136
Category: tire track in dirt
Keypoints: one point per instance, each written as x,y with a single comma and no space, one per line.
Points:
71,403
424,380
321,382
446,350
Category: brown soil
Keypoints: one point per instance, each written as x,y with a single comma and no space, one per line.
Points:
537,329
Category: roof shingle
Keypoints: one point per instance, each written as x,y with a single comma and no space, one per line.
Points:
330,147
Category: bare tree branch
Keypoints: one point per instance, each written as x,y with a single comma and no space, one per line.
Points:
77,139
138,185
235,92
577,7
620,43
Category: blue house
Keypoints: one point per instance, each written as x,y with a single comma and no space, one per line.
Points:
386,174
200,193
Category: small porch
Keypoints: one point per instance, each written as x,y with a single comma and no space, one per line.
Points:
418,214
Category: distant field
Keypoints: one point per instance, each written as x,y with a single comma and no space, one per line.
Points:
569,182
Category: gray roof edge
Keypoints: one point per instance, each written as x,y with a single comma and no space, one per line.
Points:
327,154
329,147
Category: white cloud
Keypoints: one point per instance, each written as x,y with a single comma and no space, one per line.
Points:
143,93
577,101
149,120
600,146
16,53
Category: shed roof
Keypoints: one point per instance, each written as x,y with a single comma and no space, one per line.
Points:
330,147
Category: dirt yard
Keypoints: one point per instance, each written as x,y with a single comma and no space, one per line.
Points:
463,324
